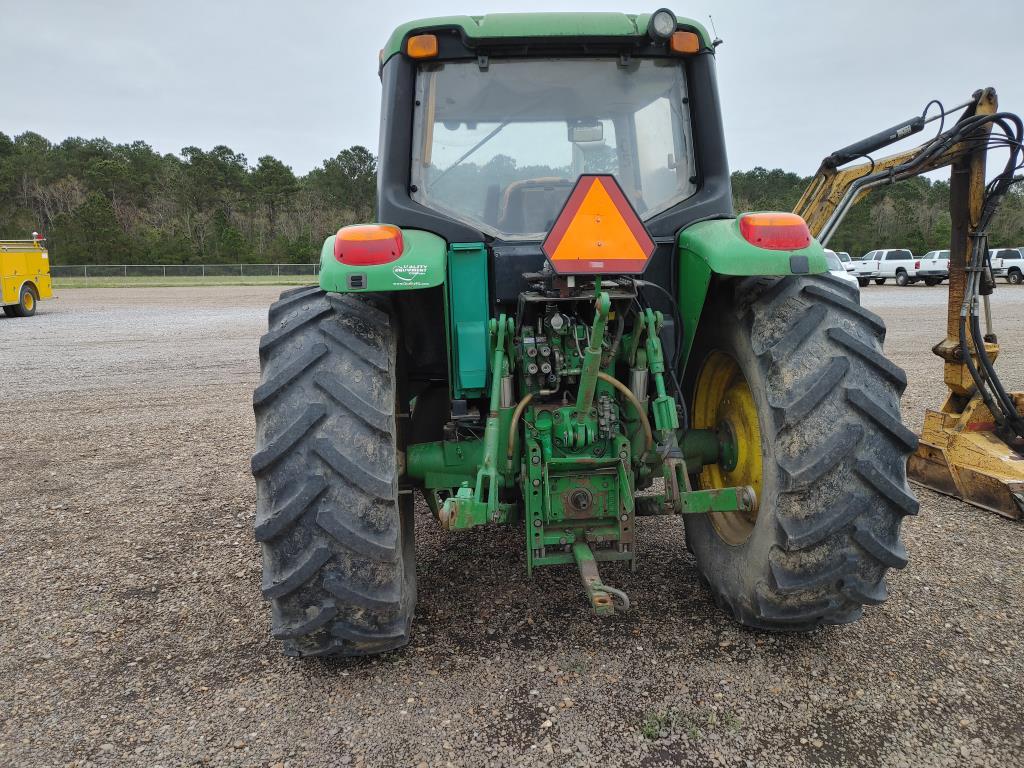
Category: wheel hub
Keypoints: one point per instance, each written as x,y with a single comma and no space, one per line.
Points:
723,402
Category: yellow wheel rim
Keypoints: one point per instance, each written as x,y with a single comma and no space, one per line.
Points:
723,402
30,300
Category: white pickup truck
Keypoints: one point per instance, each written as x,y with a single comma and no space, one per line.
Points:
864,271
934,267
896,264
1008,263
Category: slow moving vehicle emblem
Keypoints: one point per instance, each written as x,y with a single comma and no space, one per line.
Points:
598,232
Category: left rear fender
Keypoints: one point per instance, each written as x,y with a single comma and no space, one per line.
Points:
421,265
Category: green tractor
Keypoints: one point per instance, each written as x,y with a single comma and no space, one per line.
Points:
561,325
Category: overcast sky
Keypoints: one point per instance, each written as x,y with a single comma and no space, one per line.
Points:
297,79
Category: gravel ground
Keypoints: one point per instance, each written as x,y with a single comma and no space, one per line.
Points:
133,631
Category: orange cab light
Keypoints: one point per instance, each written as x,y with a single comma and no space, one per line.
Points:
421,46
368,244
775,231
684,42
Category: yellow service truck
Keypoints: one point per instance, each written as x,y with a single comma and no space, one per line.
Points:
24,276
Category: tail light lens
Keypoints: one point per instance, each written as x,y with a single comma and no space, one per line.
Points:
917,265
775,231
368,244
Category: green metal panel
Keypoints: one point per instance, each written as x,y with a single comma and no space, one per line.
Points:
717,246
469,309
517,25
421,265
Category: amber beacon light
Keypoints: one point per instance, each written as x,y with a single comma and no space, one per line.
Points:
421,46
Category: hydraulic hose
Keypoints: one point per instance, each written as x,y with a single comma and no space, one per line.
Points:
601,375
998,401
514,424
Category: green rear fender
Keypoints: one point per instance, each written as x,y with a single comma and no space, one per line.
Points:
421,265
717,247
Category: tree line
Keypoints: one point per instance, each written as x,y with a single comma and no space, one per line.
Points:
103,203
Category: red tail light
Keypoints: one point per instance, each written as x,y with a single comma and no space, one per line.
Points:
775,231
917,265
368,244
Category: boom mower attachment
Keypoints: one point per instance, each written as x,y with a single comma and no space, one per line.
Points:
973,447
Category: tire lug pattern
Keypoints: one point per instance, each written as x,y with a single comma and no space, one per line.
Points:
337,568
839,446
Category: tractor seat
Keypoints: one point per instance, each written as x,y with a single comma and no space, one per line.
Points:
531,205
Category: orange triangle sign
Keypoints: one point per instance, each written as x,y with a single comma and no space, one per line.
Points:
598,232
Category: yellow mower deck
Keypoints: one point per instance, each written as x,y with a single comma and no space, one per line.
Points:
960,455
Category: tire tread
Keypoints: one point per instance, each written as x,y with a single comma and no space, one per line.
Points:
335,570
840,458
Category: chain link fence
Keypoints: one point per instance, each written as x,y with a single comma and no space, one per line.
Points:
184,270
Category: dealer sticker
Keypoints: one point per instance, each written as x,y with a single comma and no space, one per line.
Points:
408,273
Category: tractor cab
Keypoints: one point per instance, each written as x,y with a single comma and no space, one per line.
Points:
508,110
500,148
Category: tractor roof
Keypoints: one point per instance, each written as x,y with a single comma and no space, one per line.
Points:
520,25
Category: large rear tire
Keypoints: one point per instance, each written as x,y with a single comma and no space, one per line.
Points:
338,542
812,406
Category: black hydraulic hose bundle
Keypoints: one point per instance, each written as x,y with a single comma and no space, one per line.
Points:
999,402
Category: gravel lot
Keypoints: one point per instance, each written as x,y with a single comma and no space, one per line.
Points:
132,629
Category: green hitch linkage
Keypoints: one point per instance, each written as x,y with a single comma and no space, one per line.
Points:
479,505
592,357
604,600
664,406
